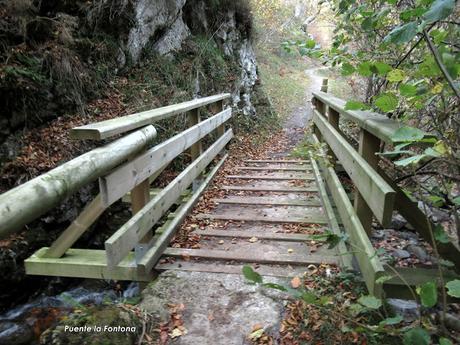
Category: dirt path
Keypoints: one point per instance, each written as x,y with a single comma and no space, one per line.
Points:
264,215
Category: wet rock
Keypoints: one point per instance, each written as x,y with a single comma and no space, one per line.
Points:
378,234
418,251
406,308
401,253
398,222
15,334
118,327
219,308
409,236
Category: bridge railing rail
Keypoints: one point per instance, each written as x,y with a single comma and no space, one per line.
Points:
125,168
376,194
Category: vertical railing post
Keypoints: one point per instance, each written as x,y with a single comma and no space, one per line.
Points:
140,196
333,118
196,149
219,106
368,146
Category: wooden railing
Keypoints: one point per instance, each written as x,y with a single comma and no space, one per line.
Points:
126,166
376,196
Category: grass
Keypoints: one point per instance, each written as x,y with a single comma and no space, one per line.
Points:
283,78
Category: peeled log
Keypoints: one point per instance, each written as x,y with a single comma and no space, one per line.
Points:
27,202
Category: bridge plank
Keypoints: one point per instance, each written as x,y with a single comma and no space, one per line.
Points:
108,128
272,168
262,235
123,179
254,256
125,238
274,178
271,189
308,219
278,201
300,162
379,195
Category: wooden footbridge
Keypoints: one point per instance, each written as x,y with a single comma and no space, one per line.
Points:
263,201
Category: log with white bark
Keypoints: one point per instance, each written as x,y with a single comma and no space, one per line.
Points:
27,202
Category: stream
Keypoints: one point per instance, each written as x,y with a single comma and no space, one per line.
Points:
24,323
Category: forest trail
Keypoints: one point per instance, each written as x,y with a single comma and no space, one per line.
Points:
267,210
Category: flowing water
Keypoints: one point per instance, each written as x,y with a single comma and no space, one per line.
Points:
24,323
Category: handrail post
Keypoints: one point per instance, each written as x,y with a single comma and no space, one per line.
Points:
368,146
196,149
140,196
219,106
333,118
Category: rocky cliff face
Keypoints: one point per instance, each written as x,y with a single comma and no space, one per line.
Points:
56,56
162,24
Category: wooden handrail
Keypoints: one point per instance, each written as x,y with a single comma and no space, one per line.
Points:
119,125
377,124
30,200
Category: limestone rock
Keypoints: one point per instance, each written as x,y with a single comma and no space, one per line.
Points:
219,308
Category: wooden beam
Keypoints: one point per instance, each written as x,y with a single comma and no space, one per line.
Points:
251,200
193,119
369,145
109,128
375,190
345,257
30,200
84,220
267,168
83,263
166,233
308,219
369,264
271,178
301,162
271,189
120,181
120,243
261,235
377,124
260,257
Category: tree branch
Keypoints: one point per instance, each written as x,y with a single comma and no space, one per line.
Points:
441,66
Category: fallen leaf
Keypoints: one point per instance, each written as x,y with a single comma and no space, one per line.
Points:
295,282
290,250
177,332
253,239
221,242
256,334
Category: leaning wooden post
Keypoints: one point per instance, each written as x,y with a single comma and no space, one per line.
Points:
196,149
140,196
368,146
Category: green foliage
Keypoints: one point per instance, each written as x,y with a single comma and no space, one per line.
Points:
440,9
402,34
453,288
355,105
330,238
251,275
370,302
407,134
387,102
428,294
416,336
